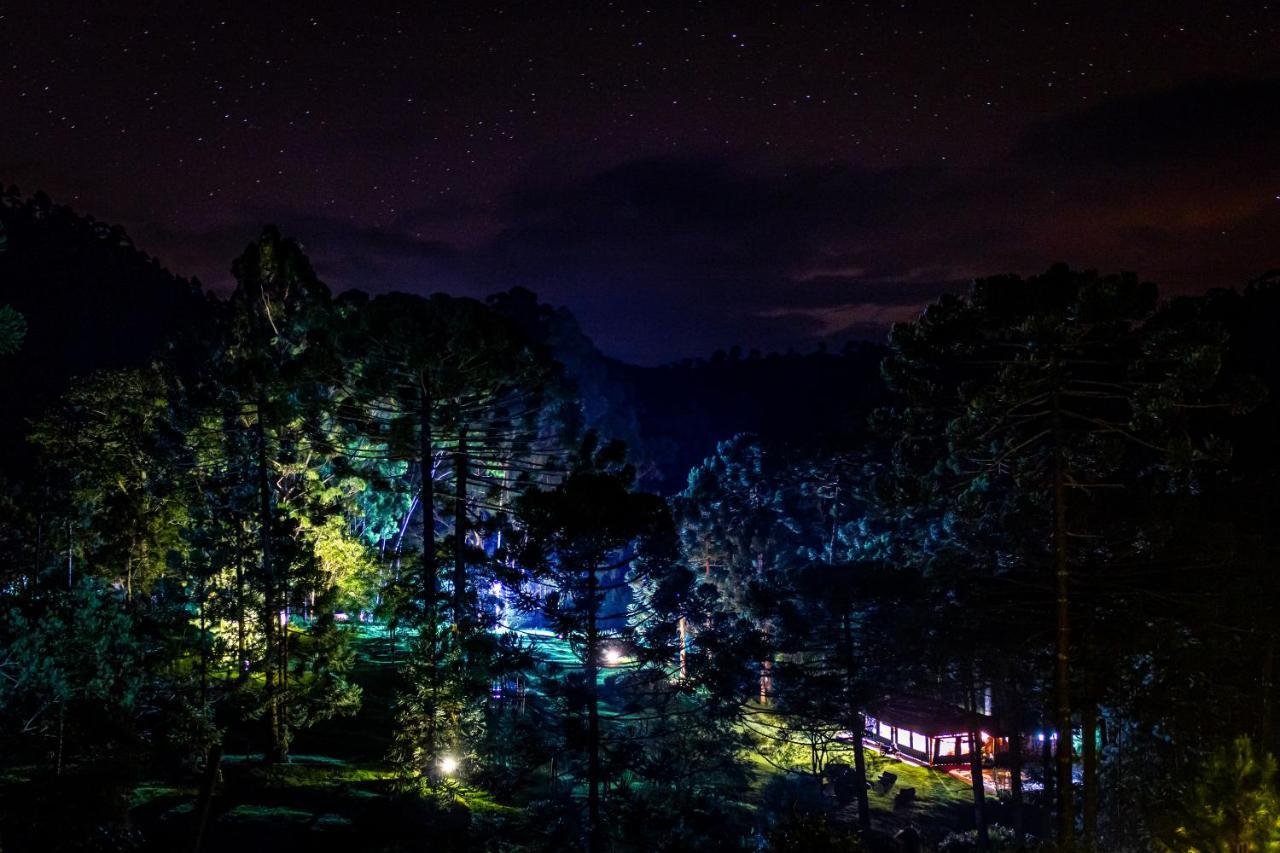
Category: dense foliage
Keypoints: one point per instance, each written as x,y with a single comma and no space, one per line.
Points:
338,567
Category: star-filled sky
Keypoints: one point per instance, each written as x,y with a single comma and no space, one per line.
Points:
684,176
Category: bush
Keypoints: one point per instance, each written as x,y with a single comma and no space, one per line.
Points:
967,842
1233,805
813,833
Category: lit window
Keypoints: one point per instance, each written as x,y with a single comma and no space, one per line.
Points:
886,731
946,746
904,737
919,742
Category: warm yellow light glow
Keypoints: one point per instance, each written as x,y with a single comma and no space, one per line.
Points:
448,765
612,656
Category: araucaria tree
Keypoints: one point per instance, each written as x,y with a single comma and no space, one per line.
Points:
449,413
1044,412
611,582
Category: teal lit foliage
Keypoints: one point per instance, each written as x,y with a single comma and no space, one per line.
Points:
662,725
88,705
13,328
78,657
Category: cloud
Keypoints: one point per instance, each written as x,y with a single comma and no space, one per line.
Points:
664,257
346,256
1196,121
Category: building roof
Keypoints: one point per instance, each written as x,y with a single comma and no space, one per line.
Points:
930,717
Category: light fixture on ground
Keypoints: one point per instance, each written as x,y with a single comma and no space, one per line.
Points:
448,765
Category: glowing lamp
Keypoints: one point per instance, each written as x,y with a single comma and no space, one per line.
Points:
612,656
448,765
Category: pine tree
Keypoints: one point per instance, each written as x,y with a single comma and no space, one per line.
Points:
1027,407
585,537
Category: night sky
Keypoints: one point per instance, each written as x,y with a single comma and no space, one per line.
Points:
684,176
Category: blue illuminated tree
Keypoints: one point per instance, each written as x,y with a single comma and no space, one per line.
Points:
589,535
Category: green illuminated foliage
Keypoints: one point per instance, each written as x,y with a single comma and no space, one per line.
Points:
1232,807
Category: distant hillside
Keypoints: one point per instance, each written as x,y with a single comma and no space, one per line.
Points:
682,410
91,301
672,416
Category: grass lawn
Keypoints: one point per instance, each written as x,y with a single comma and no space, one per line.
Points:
942,801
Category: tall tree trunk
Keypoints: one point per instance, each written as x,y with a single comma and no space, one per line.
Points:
859,726
1089,761
430,585
682,627
62,735
204,642
207,782
1266,729
1015,774
1015,789
1062,635
241,669
282,702
1046,772
592,650
461,466
427,501
275,752
977,782
860,772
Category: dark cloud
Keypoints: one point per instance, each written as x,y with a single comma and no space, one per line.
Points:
1199,120
346,255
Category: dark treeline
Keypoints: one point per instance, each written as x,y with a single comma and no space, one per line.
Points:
356,572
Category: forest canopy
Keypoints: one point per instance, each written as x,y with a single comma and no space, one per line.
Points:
347,570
